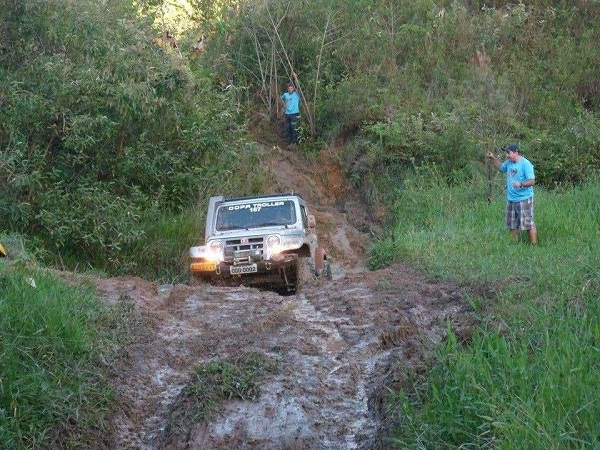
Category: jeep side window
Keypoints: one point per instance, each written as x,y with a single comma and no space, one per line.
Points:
304,217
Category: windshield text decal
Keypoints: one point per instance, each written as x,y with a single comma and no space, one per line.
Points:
255,207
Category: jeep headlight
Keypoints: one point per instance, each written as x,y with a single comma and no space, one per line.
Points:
215,251
291,243
274,244
277,244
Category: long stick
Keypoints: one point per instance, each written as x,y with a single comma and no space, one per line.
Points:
319,60
293,75
489,173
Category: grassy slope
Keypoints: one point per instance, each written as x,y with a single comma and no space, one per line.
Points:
529,377
54,360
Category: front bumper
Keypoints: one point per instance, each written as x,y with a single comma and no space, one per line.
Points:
274,266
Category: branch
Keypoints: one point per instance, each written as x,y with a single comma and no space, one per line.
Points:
292,73
319,59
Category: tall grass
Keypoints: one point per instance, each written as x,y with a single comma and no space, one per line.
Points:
530,376
53,362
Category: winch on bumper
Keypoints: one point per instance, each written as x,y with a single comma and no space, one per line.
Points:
273,266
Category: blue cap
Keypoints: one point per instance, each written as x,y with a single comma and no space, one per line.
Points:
512,148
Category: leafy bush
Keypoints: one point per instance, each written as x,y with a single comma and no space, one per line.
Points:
428,82
103,127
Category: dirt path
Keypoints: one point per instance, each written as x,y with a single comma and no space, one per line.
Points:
343,223
336,344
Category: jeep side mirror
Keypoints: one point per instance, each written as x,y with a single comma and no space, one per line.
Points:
311,221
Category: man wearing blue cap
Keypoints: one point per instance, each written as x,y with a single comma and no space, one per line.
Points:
520,178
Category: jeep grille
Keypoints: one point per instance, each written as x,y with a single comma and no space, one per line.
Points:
244,250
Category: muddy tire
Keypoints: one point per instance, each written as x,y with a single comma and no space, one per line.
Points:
305,273
326,272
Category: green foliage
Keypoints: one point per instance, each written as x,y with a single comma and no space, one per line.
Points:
528,377
105,126
570,158
102,127
224,380
217,381
466,103
529,389
418,81
54,362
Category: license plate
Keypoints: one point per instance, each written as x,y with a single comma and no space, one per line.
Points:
240,270
203,267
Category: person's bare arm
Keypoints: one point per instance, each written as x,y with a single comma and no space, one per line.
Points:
524,184
495,161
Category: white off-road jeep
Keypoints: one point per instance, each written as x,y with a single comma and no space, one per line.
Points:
267,240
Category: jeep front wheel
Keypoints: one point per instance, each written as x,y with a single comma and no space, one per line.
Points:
305,272
326,272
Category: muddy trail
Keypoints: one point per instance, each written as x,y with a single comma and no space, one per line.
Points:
334,346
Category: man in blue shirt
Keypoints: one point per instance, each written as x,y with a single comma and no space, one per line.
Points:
520,178
291,98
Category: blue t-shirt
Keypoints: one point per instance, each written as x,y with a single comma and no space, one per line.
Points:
520,171
292,102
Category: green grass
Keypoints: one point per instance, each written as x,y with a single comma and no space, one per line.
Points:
216,381
53,362
529,377
224,379
162,254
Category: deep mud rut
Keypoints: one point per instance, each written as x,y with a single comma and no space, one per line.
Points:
336,344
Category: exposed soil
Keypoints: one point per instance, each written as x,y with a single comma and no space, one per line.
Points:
336,344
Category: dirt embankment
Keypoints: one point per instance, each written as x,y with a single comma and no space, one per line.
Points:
336,344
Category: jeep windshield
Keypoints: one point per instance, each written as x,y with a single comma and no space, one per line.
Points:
256,215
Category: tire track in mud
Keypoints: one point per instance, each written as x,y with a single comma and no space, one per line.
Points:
336,345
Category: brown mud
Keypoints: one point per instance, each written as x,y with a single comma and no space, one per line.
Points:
337,344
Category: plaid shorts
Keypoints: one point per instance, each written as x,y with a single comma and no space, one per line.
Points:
519,215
